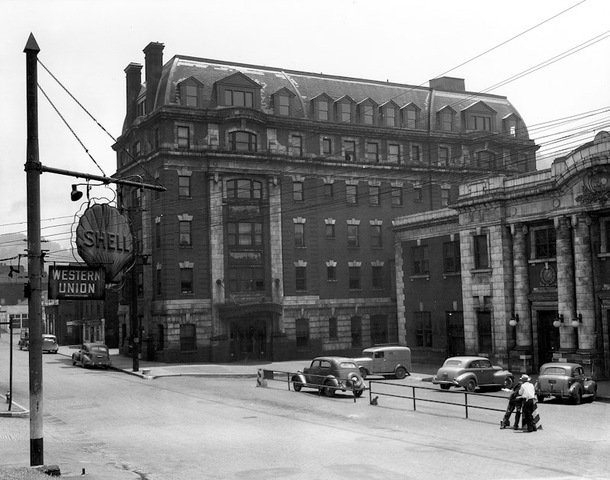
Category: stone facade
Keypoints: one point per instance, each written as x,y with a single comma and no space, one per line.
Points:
543,280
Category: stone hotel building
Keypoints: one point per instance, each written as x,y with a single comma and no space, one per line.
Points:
275,236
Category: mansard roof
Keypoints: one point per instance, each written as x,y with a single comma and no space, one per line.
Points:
309,85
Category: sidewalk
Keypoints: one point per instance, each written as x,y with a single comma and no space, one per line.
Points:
151,370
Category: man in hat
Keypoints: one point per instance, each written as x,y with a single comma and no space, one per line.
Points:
527,393
514,405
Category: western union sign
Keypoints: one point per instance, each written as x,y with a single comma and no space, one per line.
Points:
70,283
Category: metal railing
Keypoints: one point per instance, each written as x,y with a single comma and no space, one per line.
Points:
416,399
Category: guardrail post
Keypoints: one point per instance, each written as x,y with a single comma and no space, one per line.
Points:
466,403
414,406
288,379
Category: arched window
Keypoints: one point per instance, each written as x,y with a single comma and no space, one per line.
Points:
240,141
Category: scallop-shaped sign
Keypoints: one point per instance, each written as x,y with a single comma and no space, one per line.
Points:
103,239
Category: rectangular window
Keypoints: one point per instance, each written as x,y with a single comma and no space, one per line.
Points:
284,105
351,194
156,139
302,332
376,236
379,331
331,273
330,231
372,152
136,149
158,235
322,110
184,140
446,121
297,191
349,150
374,195
443,156
418,194
329,190
296,145
184,186
237,98
484,332
411,118
185,233
354,278
301,278
390,117
327,146
345,112
332,328
140,284
396,196
244,234
356,328
481,257
415,153
188,337
367,114
353,235
186,280
423,329
299,235
451,257
159,282
421,260
190,92
480,123
377,277
544,242
246,279
445,197
393,153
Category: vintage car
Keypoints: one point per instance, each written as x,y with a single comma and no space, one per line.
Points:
565,381
385,360
49,343
329,374
92,355
472,372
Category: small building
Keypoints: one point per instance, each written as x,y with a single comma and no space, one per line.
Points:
517,269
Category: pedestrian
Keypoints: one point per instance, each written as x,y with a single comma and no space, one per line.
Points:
514,405
527,393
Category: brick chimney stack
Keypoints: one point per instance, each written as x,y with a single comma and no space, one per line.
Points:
133,72
153,64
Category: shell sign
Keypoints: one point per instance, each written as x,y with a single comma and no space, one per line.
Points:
103,239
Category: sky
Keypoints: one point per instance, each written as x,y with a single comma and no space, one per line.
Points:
555,71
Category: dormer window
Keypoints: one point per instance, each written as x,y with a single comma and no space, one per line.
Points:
410,116
322,110
388,114
320,107
445,119
480,122
510,125
190,92
142,107
366,112
282,102
479,117
345,112
237,90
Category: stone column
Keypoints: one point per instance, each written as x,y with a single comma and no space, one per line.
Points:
566,303
400,291
521,287
217,271
585,297
275,236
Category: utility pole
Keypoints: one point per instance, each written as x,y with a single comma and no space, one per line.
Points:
33,171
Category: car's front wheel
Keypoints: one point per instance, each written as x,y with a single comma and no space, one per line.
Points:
471,385
577,398
297,386
73,362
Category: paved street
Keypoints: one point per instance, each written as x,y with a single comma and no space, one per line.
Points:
120,426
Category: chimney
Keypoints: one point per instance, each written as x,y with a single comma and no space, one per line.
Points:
153,64
133,72
448,84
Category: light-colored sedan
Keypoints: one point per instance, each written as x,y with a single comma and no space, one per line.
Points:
472,372
49,343
92,355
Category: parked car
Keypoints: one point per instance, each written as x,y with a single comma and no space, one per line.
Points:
92,355
566,381
49,343
329,374
24,340
385,360
471,372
